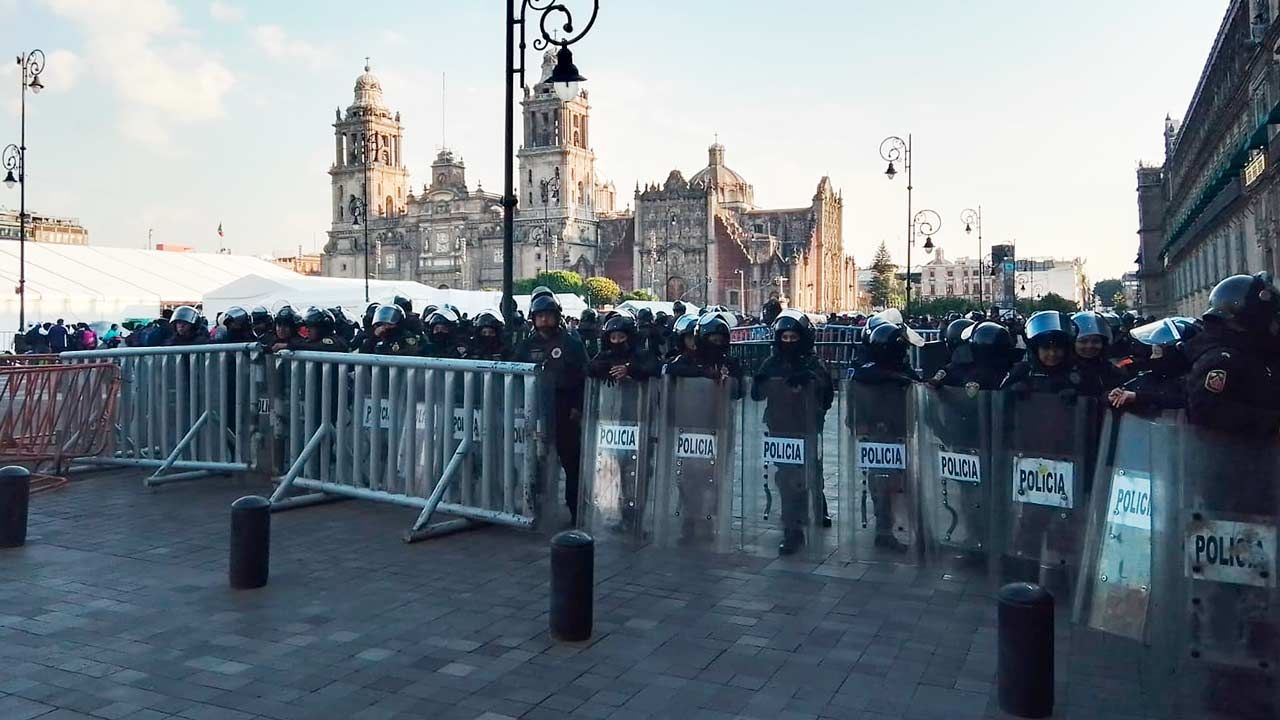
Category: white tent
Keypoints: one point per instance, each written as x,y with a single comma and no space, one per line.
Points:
656,306
85,283
301,291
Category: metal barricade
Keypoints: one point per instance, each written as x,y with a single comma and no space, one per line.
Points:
193,409
58,413
438,435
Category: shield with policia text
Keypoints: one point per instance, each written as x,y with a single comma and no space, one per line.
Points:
1043,446
955,475
694,488
1220,573
617,459
782,469
878,504
1134,475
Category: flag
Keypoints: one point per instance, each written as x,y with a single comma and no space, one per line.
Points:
219,229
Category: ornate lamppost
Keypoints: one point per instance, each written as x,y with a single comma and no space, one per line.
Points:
972,220
894,149
15,160
926,223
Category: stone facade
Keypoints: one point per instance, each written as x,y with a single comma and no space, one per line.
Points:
1212,209
43,229
701,239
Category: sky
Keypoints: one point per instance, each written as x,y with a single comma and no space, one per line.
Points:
176,116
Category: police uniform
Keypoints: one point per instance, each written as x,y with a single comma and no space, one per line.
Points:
1232,386
399,343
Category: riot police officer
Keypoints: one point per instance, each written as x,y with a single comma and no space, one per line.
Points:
489,342
682,341
317,332
623,355
442,335
711,358
1232,385
1092,338
343,328
365,339
235,327
412,322
1048,366
794,362
993,351
284,329
262,324
186,328
589,331
960,356
564,364
770,311
1162,383
393,337
677,310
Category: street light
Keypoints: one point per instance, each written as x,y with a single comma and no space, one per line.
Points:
564,78
972,219
894,149
926,223
742,289
359,206
15,159
550,191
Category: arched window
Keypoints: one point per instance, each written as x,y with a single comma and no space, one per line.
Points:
581,198
342,193
391,205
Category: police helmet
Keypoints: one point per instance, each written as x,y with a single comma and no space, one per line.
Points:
1250,300
589,319
286,316
369,310
1129,319
714,324
685,325
1165,333
1113,321
990,342
544,303
539,292
888,342
677,308
260,315
1049,327
426,311
620,322
954,334
976,316
235,313
645,316
446,316
186,314
319,318
404,303
388,315
1091,324
793,320
340,316
488,319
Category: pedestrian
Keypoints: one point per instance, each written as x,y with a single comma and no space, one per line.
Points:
58,337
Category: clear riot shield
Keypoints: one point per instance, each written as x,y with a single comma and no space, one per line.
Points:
1044,445
955,475
693,497
782,471
1133,477
1225,610
617,458
878,505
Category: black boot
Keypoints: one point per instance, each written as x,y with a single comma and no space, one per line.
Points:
792,541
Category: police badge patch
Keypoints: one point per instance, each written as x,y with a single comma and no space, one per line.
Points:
556,353
1215,381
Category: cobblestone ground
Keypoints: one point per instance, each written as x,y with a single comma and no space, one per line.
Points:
118,607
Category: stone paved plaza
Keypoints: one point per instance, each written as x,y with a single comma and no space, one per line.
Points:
118,607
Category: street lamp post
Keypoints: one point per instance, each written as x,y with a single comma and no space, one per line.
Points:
359,206
564,78
666,259
926,223
742,289
893,149
15,159
973,219
550,191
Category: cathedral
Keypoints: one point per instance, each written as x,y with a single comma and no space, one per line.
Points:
701,240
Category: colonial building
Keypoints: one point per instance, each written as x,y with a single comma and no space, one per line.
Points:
1212,209
1033,278
43,229
701,240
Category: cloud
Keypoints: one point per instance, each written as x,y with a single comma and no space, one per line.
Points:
160,76
392,37
276,43
62,71
223,12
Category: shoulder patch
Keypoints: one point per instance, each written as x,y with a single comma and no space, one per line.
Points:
556,353
411,341
327,341
940,375
1215,381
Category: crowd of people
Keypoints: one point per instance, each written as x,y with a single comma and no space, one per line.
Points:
56,337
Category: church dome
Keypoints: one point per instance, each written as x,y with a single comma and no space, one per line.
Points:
731,186
368,91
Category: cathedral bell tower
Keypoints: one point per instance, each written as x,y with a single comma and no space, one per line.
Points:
556,225
367,124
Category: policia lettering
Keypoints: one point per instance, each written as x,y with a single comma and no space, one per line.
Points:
1231,552
618,437
1043,482
696,445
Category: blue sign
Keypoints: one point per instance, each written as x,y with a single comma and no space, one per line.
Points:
1008,266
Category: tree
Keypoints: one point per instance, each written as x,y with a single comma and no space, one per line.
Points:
1119,303
1105,291
638,295
601,291
941,306
884,288
560,281
1049,301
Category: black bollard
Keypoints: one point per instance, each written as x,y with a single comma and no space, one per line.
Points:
573,558
15,495
1025,661
250,542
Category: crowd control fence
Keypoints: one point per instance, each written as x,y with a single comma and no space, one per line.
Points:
187,412
52,414
441,436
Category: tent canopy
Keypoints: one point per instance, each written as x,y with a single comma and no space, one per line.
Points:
656,306
84,283
301,291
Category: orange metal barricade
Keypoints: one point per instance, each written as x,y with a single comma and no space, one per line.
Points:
52,414
29,360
